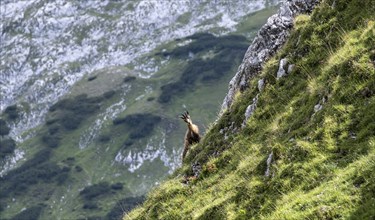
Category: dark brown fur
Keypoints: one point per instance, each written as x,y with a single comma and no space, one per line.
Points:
192,134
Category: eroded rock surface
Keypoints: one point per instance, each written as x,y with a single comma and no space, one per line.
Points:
269,39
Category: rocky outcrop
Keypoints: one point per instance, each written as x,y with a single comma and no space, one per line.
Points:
269,39
250,110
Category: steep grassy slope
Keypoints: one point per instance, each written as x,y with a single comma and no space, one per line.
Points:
308,150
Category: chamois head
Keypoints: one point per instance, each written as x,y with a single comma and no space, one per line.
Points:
186,117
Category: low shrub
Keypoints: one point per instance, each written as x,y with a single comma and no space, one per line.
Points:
31,213
139,125
68,115
117,186
78,168
109,94
33,171
4,129
7,147
129,79
51,141
128,143
150,99
104,138
12,112
95,190
91,78
89,205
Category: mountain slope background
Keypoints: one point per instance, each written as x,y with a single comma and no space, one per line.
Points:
299,141
91,92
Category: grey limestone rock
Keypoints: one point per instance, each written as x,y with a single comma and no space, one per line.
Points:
269,161
250,110
281,72
290,68
318,107
260,85
267,42
197,168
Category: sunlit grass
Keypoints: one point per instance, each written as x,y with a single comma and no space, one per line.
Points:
323,160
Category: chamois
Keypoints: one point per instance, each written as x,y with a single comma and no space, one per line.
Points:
192,134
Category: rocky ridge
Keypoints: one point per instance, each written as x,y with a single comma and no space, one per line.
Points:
269,39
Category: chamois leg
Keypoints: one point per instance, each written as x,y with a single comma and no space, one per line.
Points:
186,148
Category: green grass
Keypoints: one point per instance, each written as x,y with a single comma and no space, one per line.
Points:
323,161
184,18
253,22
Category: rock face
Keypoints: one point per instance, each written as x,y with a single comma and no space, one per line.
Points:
267,42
